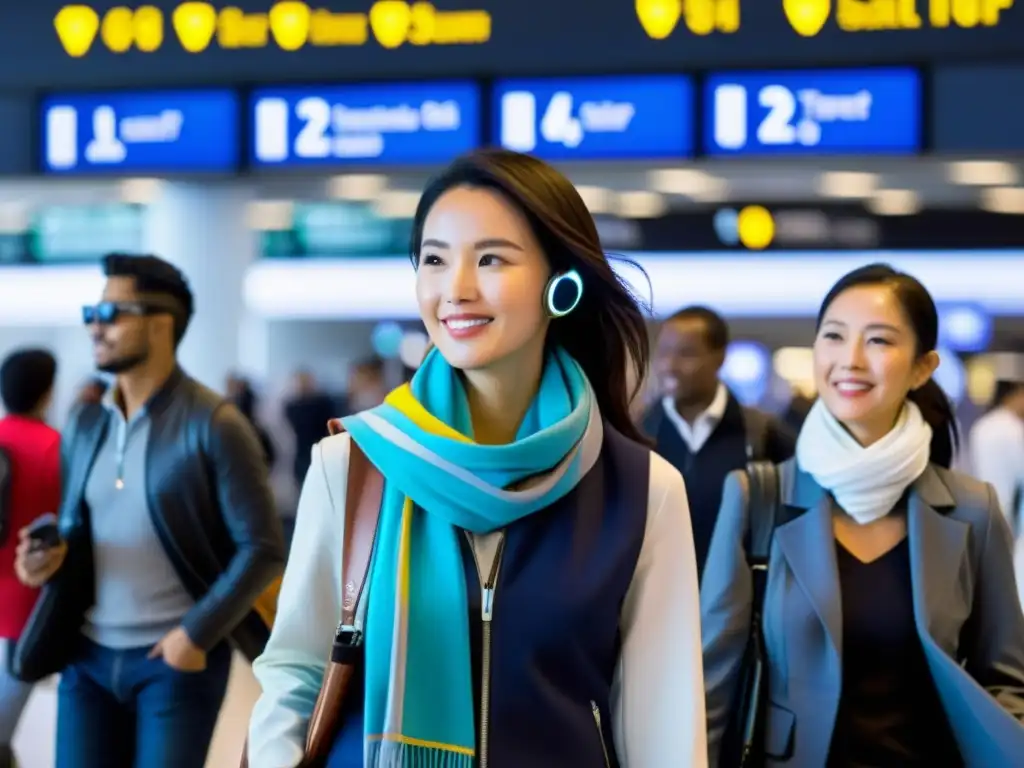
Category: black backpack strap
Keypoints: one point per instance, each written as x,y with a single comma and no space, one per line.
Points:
763,478
756,426
748,724
6,513
763,495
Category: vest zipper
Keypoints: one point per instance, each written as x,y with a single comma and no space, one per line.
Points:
600,733
488,586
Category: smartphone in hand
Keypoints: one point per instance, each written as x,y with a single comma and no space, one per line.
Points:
43,532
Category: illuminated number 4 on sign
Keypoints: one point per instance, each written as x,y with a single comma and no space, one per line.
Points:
519,121
558,126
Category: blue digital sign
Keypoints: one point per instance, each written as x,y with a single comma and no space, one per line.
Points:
392,123
596,118
152,131
824,112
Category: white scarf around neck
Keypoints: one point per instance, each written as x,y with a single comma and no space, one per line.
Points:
865,482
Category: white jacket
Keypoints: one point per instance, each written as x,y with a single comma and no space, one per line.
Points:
657,697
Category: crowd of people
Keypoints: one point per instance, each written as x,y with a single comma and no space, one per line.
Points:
496,564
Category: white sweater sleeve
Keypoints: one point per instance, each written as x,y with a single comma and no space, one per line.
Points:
658,693
293,663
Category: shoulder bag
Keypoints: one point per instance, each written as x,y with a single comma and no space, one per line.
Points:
364,490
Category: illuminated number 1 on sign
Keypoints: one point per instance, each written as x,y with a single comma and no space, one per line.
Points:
313,140
730,114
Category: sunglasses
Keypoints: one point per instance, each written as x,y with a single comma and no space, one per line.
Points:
107,312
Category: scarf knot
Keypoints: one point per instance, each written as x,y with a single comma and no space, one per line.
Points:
419,708
866,482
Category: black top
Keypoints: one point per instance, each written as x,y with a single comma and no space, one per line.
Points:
889,711
705,471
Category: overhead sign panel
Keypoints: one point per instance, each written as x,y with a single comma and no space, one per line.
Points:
591,118
155,131
821,112
166,42
388,123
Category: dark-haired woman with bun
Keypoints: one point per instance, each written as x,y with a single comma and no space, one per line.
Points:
532,598
892,624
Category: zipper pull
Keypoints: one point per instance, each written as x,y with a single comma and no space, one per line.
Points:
487,603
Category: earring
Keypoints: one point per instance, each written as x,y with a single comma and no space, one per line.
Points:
563,293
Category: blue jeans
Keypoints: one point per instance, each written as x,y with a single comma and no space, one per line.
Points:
119,709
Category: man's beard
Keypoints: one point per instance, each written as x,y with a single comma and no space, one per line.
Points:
123,364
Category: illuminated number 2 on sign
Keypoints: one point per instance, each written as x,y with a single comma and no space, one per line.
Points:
777,126
313,140
775,129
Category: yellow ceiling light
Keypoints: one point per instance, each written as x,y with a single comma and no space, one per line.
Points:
756,227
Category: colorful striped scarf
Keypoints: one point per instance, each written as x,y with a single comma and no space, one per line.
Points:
419,686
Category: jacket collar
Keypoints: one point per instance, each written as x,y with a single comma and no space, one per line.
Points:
937,541
159,400
165,395
805,493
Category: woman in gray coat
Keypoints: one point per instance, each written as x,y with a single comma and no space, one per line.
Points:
892,623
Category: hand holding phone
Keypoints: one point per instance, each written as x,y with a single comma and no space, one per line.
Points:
43,532
40,552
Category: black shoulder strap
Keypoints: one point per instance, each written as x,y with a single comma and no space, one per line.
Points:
6,471
756,425
762,509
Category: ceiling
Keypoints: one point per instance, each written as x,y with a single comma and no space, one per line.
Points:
928,182
935,183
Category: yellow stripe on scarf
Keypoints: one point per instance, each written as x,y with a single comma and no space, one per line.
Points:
400,739
404,401
404,552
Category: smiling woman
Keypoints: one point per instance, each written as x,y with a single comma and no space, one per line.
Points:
875,349
493,231
533,591
893,633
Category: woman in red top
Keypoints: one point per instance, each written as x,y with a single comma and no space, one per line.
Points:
32,449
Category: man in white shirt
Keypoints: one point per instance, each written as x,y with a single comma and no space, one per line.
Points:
997,450
698,425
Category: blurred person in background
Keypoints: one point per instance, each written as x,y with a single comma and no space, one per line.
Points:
796,411
241,393
366,386
698,424
307,412
170,540
91,392
892,629
546,589
997,450
29,488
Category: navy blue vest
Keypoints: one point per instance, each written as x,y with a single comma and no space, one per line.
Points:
555,642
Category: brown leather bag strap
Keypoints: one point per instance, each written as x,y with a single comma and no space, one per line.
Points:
364,489
363,492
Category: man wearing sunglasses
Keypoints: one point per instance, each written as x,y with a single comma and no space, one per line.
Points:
169,542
